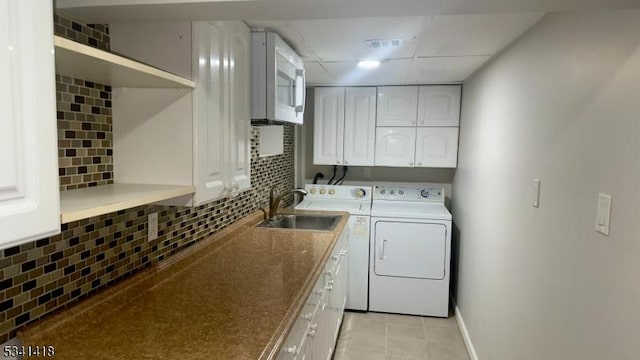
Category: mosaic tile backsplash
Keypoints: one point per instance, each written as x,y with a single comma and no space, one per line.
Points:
39,277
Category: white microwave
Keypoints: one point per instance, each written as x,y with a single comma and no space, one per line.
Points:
277,80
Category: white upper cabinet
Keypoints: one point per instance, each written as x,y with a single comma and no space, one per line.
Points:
397,106
238,37
359,126
203,135
395,146
328,126
439,105
208,113
344,126
29,197
437,147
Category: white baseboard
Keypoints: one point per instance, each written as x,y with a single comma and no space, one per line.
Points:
465,334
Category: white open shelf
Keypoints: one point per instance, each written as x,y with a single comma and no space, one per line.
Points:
84,203
84,62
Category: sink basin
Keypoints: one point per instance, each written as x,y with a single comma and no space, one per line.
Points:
302,222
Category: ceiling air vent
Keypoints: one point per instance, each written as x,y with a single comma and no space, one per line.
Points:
384,43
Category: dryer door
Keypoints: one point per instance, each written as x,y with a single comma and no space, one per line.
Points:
410,249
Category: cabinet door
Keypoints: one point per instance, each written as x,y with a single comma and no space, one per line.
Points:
439,105
437,147
359,126
397,105
29,197
238,37
395,146
209,112
328,126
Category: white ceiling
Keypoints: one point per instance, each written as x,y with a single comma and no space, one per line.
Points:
445,40
436,49
107,11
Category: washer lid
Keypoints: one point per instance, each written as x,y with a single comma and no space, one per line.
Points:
409,209
350,206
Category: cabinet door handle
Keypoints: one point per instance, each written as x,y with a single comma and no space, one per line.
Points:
346,162
410,162
343,252
413,122
420,163
337,161
382,248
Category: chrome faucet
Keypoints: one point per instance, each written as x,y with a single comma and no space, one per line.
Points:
274,201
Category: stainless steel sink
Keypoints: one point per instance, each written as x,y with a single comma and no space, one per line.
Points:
302,222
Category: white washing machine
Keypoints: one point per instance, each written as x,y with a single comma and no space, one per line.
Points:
356,200
410,250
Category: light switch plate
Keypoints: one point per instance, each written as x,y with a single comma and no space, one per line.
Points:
152,232
535,195
603,213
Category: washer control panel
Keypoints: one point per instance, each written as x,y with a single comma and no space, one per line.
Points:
408,192
339,191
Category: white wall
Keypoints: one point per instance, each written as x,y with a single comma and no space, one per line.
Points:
563,105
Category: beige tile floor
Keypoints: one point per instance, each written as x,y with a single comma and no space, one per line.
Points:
377,336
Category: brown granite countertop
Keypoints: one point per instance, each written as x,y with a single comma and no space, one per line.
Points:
234,295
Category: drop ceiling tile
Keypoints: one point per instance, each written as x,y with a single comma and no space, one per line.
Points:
316,74
344,39
456,35
444,69
391,72
289,34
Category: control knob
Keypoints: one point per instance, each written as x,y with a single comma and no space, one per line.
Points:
332,191
425,193
322,191
312,190
360,193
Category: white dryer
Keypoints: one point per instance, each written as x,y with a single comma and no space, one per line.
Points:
410,250
357,201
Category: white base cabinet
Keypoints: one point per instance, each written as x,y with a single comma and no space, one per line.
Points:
29,197
315,332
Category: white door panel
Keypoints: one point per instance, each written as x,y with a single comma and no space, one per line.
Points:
437,147
239,46
439,105
412,250
29,196
358,263
395,146
328,126
208,43
397,106
360,126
